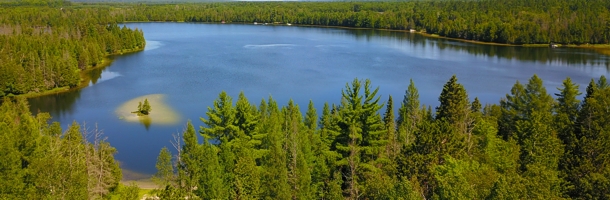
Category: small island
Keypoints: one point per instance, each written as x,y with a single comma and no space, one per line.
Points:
143,109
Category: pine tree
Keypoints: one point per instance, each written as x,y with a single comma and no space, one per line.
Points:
165,169
360,141
326,187
350,137
275,173
566,110
298,149
454,107
227,160
475,106
513,109
190,161
589,172
210,181
373,142
409,115
246,115
392,149
221,120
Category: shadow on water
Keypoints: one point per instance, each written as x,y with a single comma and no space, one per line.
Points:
62,104
544,55
57,105
146,121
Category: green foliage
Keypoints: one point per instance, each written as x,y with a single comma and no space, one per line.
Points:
587,170
54,44
129,192
189,163
221,120
143,109
512,151
41,162
165,168
459,179
454,107
505,21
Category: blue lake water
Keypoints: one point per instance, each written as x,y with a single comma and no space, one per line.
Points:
192,63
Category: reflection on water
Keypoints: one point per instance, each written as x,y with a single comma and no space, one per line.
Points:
62,104
98,76
431,46
161,113
151,45
146,121
58,105
191,63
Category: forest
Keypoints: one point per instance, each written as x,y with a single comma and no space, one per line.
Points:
529,146
46,47
498,21
39,160
46,44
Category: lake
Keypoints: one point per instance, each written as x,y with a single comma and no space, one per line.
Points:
186,65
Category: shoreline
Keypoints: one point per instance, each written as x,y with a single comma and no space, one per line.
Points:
84,79
600,48
603,49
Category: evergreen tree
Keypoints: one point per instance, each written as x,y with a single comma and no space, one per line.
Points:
165,169
475,106
326,187
298,149
392,149
246,183
513,109
454,107
275,173
190,162
221,120
210,181
409,115
588,171
227,161
350,137
246,116
566,110
360,141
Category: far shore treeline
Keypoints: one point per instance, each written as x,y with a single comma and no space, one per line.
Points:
45,44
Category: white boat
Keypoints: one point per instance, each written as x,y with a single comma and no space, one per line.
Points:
255,23
289,24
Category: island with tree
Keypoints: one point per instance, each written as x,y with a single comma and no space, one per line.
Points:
143,109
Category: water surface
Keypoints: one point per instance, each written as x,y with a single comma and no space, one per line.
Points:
190,64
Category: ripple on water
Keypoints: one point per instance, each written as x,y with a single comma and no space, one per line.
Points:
150,45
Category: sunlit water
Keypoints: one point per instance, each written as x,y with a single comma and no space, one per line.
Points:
190,64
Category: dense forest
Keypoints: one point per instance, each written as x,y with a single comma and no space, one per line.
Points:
41,161
500,21
530,146
46,47
45,44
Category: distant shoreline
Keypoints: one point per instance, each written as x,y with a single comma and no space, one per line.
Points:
600,48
